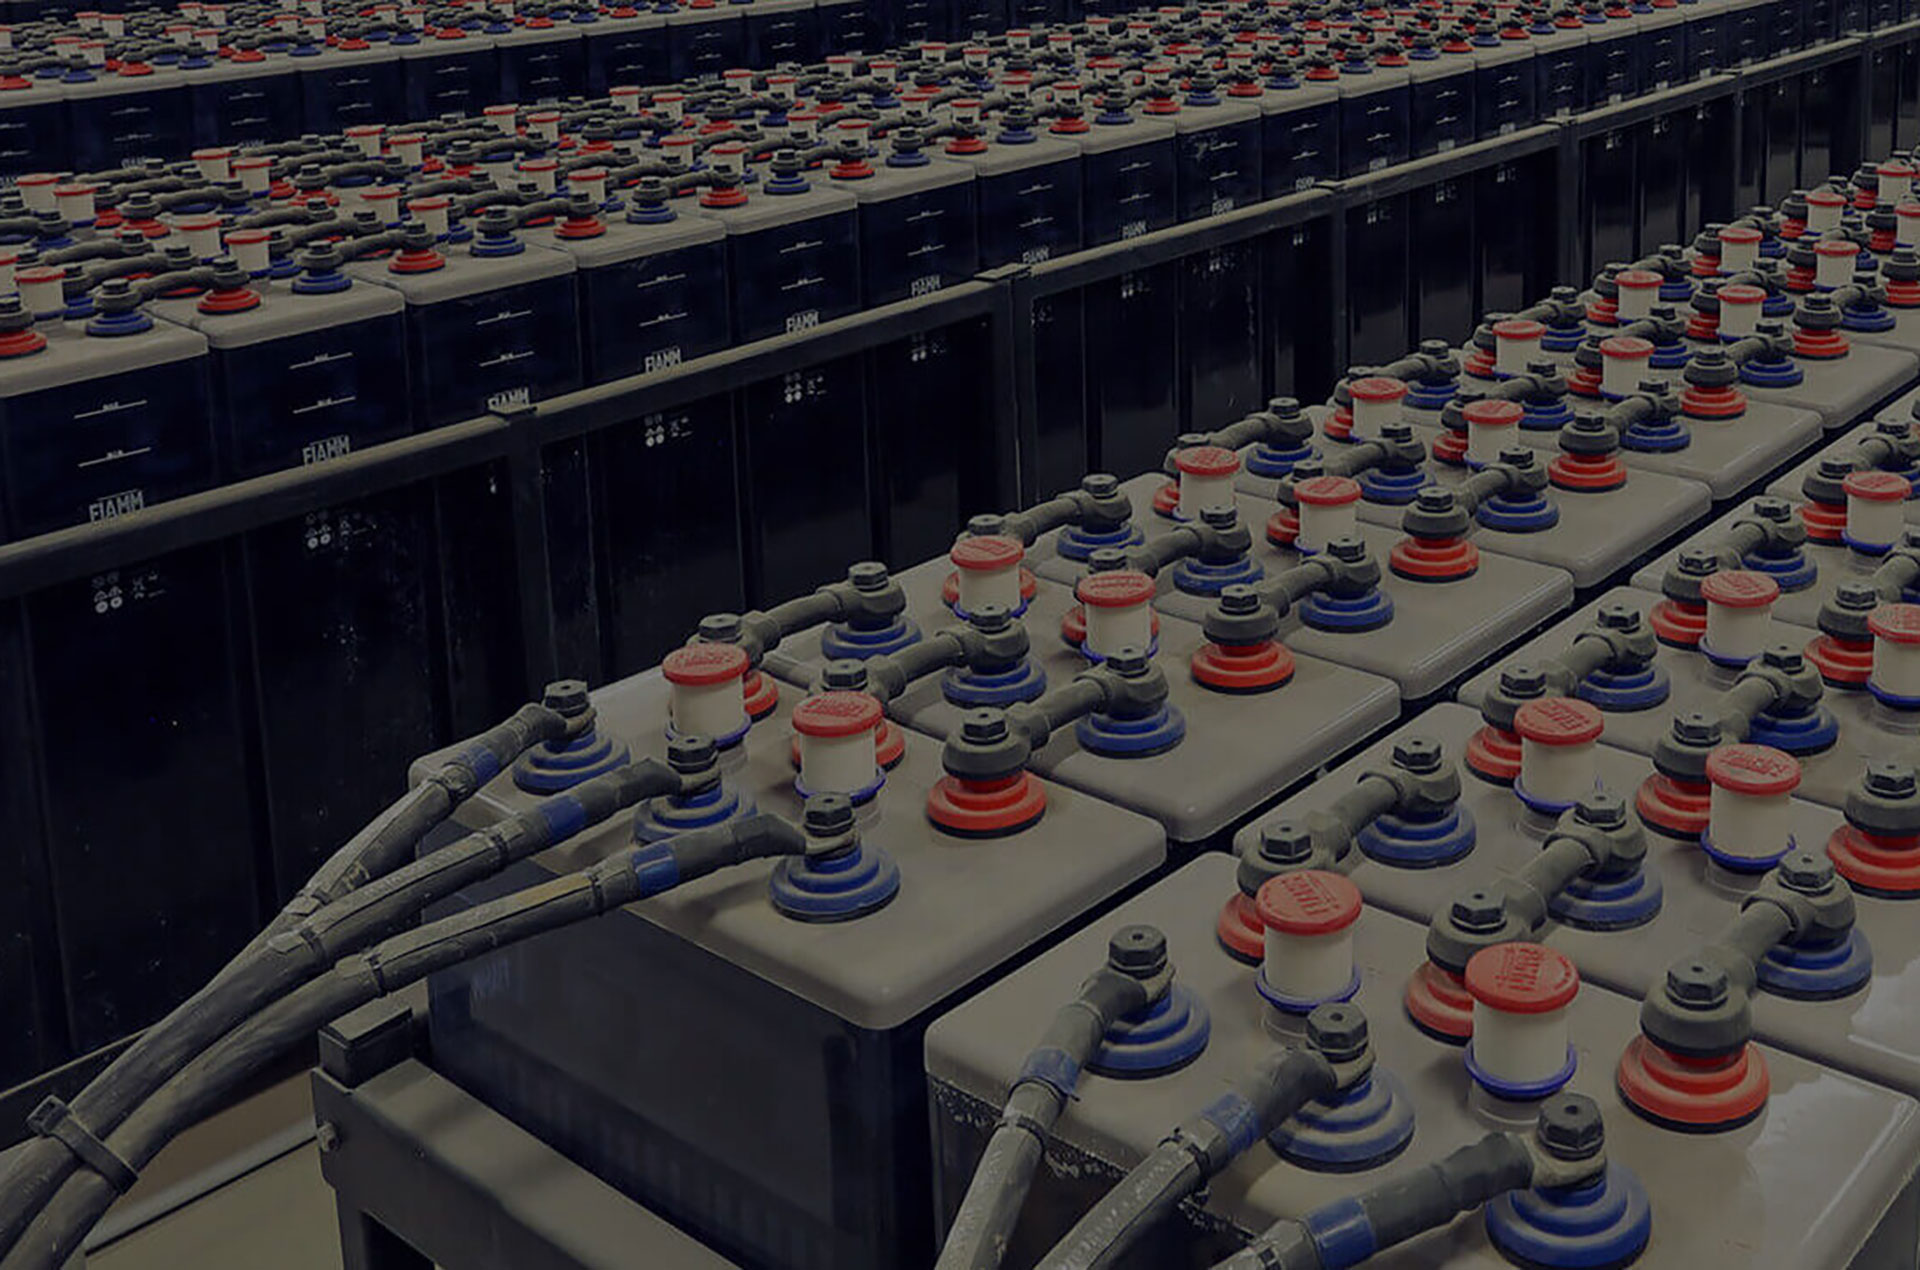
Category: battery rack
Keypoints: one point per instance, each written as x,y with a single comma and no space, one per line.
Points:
530,490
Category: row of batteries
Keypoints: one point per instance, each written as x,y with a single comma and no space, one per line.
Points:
1658,856
487,262
104,88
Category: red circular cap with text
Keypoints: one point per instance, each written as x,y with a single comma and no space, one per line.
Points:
1739,234
197,224
1835,247
1638,279
1741,293
1328,491
985,553
1759,770
1207,460
1311,902
700,665
1519,329
1522,978
40,274
1377,388
1908,210
1896,623
429,203
248,237
1493,413
834,714
1114,589
1629,346
1558,721
1877,487
1895,168
37,178
1739,589
1827,198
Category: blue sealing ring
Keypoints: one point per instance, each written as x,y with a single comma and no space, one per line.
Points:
1790,570
1865,548
1302,1005
548,769
1075,543
670,815
841,640
1132,738
1774,373
969,689
114,325
726,742
1609,903
327,283
1521,1091
1544,806
1545,415
858,797
1518,515
1422,395
1623,692
835,890
1408,843
1395,489
1855,318
1808,733
1369,612
1600,1226
1275,462
1360,1128
1669,356
1743,864
1197,577
1676,290
1773,248
1892,700
1166,1036
1819,973
1722,659
1563,339
1777,306
1094,659
1649,437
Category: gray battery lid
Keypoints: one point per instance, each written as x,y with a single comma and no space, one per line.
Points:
964,906
1503,52
1379,80
536,35
1001,157
890,183
1102,137
762,210
1309,93
37,93
1442,67
696,17
615,22
1229,111
281,313
71,355
226,70
117,85
467,275
439,47
625,240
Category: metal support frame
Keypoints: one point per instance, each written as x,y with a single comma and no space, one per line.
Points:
423,1173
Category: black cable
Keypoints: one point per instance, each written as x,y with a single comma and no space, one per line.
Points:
210,1013
1190,1155
636,873
977,1239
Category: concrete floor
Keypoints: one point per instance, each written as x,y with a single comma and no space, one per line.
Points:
240,1191
278,1215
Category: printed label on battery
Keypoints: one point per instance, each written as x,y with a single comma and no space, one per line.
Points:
114,506
512,399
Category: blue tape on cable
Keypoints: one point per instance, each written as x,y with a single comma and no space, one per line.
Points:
1341,1234
657,869
481,761
1234,1116
1052,1067
564,816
